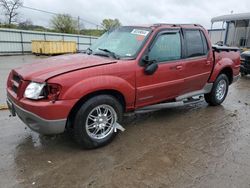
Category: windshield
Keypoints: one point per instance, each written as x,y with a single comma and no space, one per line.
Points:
123,42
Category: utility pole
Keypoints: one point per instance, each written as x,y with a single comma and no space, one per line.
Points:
78,24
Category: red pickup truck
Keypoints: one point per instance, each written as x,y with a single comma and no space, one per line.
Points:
128,69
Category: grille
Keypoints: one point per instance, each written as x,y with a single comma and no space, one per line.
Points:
16,78
15,88
16,81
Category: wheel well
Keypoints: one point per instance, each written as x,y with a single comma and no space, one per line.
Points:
79,103
229,72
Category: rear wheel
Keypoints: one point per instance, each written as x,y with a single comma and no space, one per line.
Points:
219,91
94,122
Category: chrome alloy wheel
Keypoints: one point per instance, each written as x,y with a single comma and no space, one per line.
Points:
221,90
100,121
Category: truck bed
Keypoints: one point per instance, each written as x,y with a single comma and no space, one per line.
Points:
224,48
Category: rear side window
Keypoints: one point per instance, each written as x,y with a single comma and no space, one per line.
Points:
167,47
195,43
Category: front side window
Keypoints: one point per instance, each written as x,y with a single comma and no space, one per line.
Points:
125,42
194,43
167,47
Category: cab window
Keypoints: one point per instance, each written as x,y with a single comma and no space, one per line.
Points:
205,45
195,43
167,47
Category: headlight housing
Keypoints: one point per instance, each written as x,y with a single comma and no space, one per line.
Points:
34,90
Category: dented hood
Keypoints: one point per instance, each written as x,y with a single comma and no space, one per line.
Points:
44,69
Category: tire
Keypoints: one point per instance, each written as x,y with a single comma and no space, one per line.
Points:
88,126
219,91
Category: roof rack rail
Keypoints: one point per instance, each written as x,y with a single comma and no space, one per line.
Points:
175,25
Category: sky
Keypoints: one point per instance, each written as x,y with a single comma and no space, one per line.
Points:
132,12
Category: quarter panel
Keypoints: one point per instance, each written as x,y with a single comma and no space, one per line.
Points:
223,60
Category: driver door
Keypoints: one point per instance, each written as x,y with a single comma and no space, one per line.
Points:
167,81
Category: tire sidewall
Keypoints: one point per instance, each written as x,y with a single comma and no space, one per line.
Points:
80,132
220,77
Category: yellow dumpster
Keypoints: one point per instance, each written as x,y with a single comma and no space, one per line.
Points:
245,49
53,47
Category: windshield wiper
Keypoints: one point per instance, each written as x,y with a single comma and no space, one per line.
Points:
109,52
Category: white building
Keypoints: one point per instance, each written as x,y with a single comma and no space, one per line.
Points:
236,32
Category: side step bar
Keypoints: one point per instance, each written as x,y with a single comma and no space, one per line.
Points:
160,106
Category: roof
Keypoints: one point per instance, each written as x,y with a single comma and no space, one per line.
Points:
231,17
167,25
175,25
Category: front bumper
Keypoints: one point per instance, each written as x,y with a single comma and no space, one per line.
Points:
35,122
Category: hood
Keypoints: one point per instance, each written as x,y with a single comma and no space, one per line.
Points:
44,69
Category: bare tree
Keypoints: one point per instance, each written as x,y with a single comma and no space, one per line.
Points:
10,9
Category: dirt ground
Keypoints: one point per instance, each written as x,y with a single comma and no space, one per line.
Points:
192,146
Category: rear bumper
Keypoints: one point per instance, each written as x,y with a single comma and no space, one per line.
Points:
35,122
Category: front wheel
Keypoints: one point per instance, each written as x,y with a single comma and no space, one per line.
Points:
94,122
219,91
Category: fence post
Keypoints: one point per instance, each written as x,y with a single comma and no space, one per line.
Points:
78,43
21,35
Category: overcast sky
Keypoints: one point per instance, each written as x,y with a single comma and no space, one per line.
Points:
136,11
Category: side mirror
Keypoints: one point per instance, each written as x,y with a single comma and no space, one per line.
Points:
145,61
150,65
151,68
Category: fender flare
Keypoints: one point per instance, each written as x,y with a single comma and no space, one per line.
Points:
223,64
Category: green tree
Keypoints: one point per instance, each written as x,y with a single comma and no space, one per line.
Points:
108,24
10,9
64,23
92,32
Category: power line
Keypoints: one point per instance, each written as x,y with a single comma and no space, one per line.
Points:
53,13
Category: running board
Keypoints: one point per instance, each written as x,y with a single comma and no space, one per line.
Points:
160,106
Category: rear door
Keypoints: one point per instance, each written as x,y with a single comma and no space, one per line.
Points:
166,82
198,61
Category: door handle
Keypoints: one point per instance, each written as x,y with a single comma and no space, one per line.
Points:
178,67
208,62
